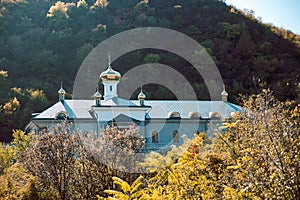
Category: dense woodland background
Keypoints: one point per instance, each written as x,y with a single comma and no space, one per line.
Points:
44,42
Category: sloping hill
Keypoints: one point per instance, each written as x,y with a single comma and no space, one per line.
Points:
44,42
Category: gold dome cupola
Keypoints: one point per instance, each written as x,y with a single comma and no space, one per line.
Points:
110,75
110,79
97,97
61,93
224,94
142,97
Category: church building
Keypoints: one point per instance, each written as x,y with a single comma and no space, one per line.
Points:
161,122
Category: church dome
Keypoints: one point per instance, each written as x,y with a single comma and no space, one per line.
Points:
141,96
224,93
97,95
61,91
110,74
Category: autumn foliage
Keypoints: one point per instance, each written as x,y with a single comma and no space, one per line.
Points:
256,158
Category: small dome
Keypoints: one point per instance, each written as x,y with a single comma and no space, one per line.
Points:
224,93
61,91
97,95
110,74
141,96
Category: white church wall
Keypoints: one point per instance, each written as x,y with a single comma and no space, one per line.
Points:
165,130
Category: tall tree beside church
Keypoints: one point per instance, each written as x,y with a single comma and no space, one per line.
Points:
75,165
265,146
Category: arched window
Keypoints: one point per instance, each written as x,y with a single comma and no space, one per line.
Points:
154,137
174,115
175,136
214,115
194,115
62,115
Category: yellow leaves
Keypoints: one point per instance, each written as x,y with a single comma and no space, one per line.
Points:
21,140
15,183
232,193
201,167
265,148
136,185
189,178
295,115
234,124
244,158
101,3
272,176
232,10
10,107
128,191
177,6
16,90
239,164
116,194
3,73
81,3
123,184
234,167
59,7
35,93
7,154
155,161
227,125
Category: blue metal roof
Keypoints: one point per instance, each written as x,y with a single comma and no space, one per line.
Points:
78,109
115,101
74,109
162,108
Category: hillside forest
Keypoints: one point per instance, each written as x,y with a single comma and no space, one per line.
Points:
44,42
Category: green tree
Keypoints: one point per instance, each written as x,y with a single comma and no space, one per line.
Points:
231,31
